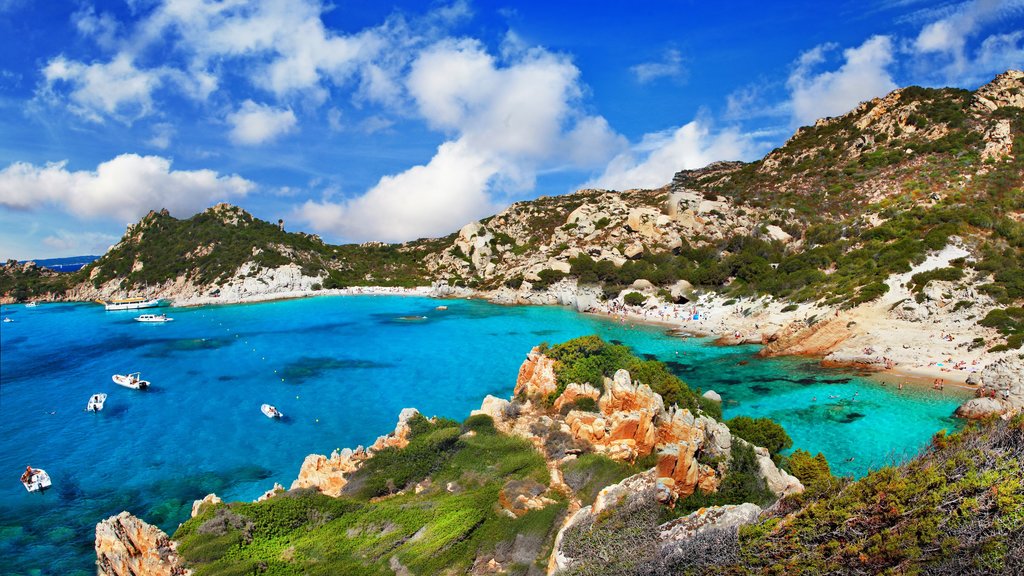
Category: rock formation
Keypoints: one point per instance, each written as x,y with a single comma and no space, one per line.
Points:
536,376
329,475
127,546
1001,390
209,499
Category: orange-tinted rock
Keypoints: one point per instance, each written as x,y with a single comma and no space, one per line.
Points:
623,395
127,546
679,471
400,437
536,376
574,392
328,474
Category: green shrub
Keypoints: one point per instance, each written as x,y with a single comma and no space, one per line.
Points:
634,299
763,432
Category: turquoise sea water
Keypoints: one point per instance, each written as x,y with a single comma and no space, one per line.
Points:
340,368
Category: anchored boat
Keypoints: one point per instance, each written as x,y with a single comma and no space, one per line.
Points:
96,402
133,381
130,303
35,479
270,412
153,318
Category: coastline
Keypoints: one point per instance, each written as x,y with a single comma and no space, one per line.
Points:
728,321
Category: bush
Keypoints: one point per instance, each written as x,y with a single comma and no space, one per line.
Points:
634,299
479,423
763,432
812,471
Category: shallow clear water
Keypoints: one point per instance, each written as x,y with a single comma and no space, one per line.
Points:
340,368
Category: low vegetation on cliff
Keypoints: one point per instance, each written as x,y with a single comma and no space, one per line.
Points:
430,507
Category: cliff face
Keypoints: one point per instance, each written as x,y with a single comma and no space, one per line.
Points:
127,546
631,421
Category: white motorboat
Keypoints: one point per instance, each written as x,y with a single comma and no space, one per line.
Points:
441,308
133,381
35,479
31,305
270,412
96,402
130,303
154,318
8,319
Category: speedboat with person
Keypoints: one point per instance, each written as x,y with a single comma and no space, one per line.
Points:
153,318
96,402
270,412
31,305
8,319
133,381
35,479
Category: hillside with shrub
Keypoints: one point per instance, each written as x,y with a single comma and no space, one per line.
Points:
506,494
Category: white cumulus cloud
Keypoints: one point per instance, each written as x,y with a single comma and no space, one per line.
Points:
863,75
124,188
659,155
258,123
117,88
506,119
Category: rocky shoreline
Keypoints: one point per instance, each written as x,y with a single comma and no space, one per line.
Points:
631,421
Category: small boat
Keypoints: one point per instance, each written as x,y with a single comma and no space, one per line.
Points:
154,318
35,479
133,381
130,303
96,402
8,319
31,305
441,308
270,412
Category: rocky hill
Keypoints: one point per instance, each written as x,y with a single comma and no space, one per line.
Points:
861,239
590,469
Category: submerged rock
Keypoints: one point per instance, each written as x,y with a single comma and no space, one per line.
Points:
127,546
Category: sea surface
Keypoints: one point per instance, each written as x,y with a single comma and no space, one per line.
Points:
340,369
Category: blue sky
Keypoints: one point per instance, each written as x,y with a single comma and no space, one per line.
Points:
367,120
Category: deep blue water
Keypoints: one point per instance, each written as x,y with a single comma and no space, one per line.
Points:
340,368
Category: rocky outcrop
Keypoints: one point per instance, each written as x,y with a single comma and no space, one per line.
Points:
127,546
328,475
574,392
780,482
399,438
712,518
1001,390
536,376
208,500
518,497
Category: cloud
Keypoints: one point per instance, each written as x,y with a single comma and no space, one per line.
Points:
163,132
117,88
863,75
506,120
124,188
256,123
942,45
427,200
670,66
659,155
65,242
